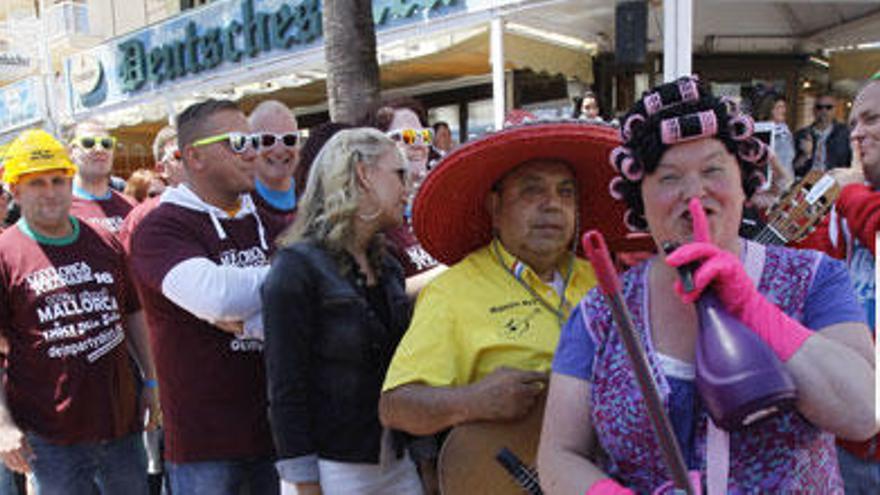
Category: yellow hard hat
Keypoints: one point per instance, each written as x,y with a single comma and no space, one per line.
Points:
35,151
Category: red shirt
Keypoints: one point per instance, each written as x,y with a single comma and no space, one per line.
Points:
409,251
212,385
107,214
63,309
860,207
133,219
276,220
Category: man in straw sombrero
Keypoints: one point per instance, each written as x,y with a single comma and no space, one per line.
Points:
506,213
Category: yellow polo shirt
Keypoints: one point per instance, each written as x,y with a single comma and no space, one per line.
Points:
477,317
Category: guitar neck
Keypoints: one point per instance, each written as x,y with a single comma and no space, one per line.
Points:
525,477
769,236
799,209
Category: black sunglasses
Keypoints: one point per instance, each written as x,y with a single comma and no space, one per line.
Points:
824,107
268,140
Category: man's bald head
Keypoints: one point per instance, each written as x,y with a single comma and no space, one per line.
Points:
271,112
278,157
864,122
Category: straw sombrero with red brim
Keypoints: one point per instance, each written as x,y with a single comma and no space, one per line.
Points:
450,216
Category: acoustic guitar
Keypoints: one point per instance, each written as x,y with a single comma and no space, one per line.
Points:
469,462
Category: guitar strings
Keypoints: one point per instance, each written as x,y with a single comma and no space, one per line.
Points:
785,217
531,478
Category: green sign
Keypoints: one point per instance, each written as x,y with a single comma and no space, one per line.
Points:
388,11
249,36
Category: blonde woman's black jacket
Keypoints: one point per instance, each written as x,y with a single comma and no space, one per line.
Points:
327,351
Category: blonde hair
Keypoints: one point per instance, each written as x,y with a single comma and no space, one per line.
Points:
326,212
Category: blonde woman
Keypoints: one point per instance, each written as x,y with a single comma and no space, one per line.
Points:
334,309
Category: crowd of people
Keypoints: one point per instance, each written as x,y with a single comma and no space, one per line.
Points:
265,314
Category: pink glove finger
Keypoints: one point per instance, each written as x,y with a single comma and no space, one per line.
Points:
716,268
689,253
700,222
608,486
693,476
729,279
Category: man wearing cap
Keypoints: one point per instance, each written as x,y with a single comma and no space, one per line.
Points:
199,259
506,211
279,154
91,148
69,410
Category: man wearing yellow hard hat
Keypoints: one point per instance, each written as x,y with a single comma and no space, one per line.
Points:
67,307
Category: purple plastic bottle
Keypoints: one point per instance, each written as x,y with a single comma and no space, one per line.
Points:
739,377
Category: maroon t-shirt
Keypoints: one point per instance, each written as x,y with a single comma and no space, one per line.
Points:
107,214
276,220
63,309
212,385
409,251
133,219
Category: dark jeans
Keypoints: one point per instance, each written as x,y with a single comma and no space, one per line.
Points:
111,467
8,484
860,476
252,477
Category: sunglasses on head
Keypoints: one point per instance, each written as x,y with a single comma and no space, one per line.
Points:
824,107
412,136
172,155
89,142
268,139
237,142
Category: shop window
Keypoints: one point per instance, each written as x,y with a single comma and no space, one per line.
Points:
480,118
551,110
748,94
130,157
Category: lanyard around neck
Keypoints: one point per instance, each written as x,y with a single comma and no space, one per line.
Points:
558,311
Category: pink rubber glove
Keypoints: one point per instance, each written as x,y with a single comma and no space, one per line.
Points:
723,271
608,486
668,487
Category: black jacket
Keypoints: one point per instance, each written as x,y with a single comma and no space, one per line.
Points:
837,148
327,352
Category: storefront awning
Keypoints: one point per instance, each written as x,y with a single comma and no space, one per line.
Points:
471,57
856,65
467,57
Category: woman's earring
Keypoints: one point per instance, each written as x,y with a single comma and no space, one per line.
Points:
370,217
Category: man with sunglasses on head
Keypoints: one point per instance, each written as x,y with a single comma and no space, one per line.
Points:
91,148
169,167
824,144
276,126
199,259
404,120
167,156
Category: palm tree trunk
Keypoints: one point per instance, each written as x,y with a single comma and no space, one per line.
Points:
350,52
